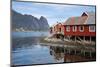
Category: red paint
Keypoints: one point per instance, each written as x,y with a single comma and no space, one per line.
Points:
81,22
72,33
78,33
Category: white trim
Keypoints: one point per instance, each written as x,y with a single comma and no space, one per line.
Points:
74,28
68,28
80,28
90,30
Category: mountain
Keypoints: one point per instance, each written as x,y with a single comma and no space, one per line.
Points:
25,22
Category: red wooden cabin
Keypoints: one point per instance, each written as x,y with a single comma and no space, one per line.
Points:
83,25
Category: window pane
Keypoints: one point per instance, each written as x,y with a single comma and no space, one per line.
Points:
68,28
91,28
74,28
81,28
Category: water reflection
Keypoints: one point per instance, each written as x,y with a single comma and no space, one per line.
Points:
28,50
71,55
24,42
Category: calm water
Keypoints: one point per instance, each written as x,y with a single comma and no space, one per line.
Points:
28,50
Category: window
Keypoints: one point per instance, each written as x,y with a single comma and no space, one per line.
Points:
67,28
81,28
91,28
74,28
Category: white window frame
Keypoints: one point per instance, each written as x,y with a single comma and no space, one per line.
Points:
90,30
74,28
68,28
80,29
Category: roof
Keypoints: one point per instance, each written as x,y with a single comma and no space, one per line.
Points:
91,18
56,24
85,18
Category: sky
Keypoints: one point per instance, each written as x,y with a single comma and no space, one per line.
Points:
52,12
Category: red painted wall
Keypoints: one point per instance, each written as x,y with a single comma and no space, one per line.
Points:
78,33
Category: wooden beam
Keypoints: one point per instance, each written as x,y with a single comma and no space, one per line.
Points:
84,38
75,38
90,38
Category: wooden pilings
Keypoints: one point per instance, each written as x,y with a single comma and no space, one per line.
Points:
90,38
81,39
84,38
75,38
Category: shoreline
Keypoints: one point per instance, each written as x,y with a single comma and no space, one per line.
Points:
69,44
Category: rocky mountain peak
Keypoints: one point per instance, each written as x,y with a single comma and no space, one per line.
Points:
28,22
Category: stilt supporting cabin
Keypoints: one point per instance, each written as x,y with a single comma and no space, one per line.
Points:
84,38
75,38
90,38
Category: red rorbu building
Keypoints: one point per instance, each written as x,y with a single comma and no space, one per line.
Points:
82,26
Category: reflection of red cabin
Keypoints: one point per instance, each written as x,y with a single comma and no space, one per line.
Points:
83,25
